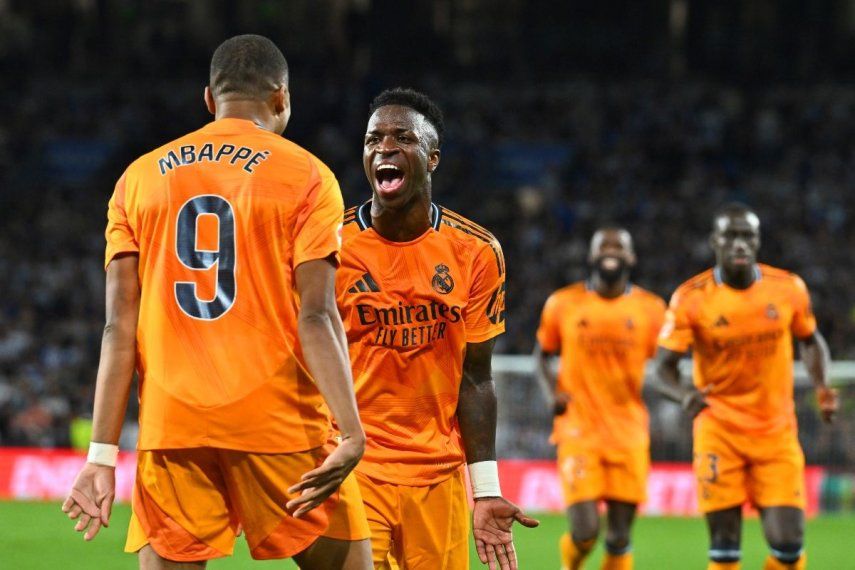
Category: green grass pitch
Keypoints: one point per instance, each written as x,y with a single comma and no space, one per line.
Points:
38,536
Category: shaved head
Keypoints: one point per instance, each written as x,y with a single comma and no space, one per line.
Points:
734,210
247,67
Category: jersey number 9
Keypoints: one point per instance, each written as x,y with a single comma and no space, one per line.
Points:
223,258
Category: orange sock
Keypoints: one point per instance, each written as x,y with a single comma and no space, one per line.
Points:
723,565
617,561
773,563
572,554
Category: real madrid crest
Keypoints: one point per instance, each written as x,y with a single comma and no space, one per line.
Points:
771,311
442,281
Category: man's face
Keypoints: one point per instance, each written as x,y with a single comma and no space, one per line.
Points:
611,254
736,240
399,154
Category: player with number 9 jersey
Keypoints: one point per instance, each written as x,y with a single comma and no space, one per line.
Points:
218,239
234,235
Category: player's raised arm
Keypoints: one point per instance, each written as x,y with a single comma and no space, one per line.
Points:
325,349
92,494
815,355
493,515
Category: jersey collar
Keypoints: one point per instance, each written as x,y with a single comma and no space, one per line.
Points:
589,286
719,280
363,216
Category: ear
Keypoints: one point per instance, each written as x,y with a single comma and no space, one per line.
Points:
209,101
433,160
281,100
712,240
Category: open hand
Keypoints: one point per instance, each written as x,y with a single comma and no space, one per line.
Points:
91,499
318,484
492,519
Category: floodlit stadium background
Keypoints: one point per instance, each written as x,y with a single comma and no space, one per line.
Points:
649,114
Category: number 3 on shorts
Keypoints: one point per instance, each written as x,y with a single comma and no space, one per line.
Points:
224,257
707,467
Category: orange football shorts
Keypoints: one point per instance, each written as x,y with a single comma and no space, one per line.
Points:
187,504
590,474
734,467
418,528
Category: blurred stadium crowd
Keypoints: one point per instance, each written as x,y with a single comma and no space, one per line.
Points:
540,164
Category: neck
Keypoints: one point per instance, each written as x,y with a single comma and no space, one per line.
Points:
738,277
405,223
609,290
256,111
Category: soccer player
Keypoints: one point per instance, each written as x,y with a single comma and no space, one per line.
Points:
739,318
221,254
605,329
421,290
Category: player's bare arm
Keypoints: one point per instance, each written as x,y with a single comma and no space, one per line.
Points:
556,401
324,345
493,516
692,400
91,496
815,355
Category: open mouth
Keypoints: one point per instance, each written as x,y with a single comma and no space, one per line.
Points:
610,263
389,178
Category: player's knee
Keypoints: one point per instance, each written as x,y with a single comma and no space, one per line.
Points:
585,531
585,536
617,545
725,550
787,552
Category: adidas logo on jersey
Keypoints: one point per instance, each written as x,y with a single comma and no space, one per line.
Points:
365,285
721,322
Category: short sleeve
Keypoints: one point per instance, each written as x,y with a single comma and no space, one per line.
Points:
549,331
657,319
317,230
676,333
804,321
485,312
120,235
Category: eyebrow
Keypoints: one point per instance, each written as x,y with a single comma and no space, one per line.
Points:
396,130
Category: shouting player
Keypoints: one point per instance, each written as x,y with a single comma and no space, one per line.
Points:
605,330
421,290
739,319
221,254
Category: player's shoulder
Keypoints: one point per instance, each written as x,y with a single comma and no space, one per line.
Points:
459,227
572,293
695,287
647,297
776,276
353,225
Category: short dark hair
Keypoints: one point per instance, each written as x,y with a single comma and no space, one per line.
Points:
416,101
248,65
731,209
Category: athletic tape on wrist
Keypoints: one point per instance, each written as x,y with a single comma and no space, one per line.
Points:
102,454
484,478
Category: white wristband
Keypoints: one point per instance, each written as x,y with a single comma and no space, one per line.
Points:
103,454
484,478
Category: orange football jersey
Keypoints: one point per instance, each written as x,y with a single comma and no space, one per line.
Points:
604,345
742,344
409,309
220,219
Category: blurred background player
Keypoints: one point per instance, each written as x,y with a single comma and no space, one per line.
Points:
209,237
421,291
605,330
739,318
